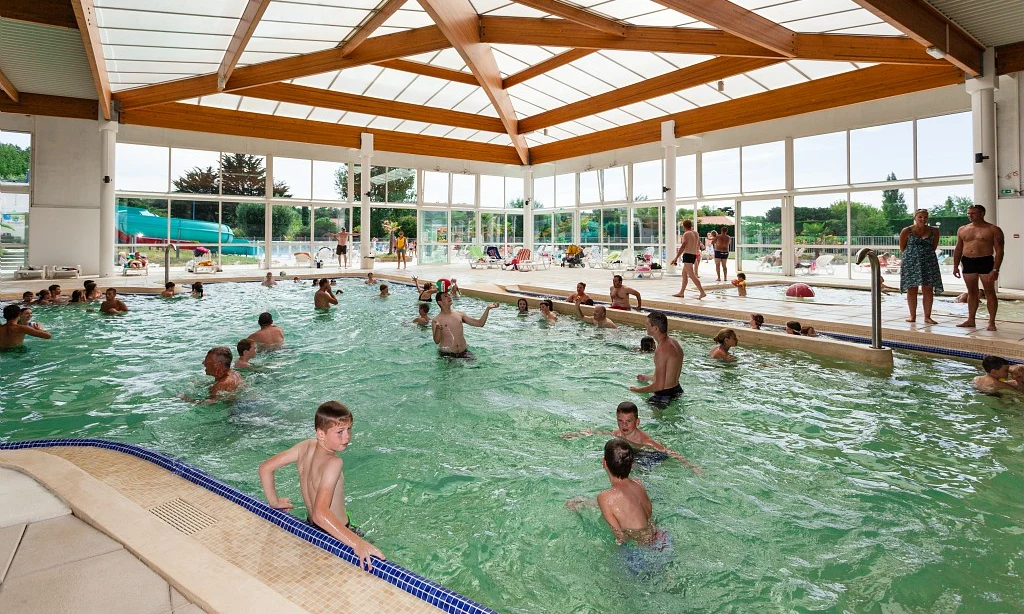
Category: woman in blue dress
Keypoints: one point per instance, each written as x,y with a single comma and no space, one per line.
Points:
920,266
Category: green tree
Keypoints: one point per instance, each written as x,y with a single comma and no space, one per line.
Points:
250,218
954,206
398,187
867,221
239,174
894,207
14,163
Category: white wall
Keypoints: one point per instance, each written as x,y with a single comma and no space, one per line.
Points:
64,214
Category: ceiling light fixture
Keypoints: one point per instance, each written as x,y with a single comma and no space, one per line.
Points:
935,52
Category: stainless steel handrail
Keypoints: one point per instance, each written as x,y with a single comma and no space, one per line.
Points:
876,295
167,260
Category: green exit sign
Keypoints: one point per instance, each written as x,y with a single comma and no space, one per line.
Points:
1007,192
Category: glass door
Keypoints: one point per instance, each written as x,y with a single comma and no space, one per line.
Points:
434,234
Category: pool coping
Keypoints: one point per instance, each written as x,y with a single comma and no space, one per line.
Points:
392,573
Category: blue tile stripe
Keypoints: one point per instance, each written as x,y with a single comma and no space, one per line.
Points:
899,345
416,585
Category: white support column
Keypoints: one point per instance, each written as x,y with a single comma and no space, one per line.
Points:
788,236
108,221
268,215
365,156
668,141
983,110
528,208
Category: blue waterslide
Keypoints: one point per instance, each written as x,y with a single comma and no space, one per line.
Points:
137,222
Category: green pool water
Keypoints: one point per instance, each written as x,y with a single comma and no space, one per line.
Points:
827,487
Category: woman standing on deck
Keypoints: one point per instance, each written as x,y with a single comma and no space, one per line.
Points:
920,266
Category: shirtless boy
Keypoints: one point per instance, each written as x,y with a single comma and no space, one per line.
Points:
168,290
342,249
424,317
979,247
996,370
12,333
321,479
114,305
323,299
721,249
580,296
628,417
688,250
546,312
384,291
246,352
370,281
268,281
620,294
600,318
668,363
269,336
27,298
447,327
218,366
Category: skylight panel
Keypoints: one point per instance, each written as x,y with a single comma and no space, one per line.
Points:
819,70
524,108
451,94
501,139
461,134
385,123
740,86
481,137
643,63
618,117
700,25
702,95
221,101
404,18
355,4
356,119
643,110
682,60
557,133
580,80
127,80
526,54
753,5
485,6
516,10
626,9
321,81
173,68
258,105
536,95
476,102
664,18
508,65
161,54
286,46
171,40
303,13
601,68
298,111
164,22
534,139
421,89
355,80
222,8
385,30
412,127
804,9
835,21
303,31
575,128
326,115
436,130
448,58
390,84
594,123
777,76
877,29
670,103
257,57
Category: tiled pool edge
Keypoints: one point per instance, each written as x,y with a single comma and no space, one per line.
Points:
417,586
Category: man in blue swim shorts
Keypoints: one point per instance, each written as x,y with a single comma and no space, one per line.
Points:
668,364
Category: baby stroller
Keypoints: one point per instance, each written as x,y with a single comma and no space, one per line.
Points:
573,257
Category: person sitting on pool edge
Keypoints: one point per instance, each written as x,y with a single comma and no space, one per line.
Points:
424,317
545,307
447,326
12,333
323,299
269,336
600,318
246,352
384,291
726,339
218,366
628,418
668,363
322,480
996,370
112,304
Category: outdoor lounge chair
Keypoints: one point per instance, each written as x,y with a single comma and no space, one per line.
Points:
625,261
302,257
64,272
476,257
607,262
128,269
30,273
822,263
520,262
494,257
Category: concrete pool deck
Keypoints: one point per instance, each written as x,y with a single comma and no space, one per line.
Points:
853,320
203,552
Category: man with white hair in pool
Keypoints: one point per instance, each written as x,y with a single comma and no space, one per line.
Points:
600,318
447,325
668,363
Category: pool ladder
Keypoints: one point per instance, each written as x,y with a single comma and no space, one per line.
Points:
167,260
876,295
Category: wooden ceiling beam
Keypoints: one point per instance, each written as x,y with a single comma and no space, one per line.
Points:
841,47
85,15
7,87
243,32
691,76
375,21
178,116
378,49
547,65
577,15
925,24
848,88
56,13
738,21
429,70
1010,58
298,94
51,106
459,22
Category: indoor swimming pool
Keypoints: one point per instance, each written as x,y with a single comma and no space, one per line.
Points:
826,487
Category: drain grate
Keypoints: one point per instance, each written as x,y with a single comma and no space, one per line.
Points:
183,516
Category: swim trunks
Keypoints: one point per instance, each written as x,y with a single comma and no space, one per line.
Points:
649,459
348,525
462,354
689,258
721,255
982,265
666,396
651,559
341,250
621,308
401,251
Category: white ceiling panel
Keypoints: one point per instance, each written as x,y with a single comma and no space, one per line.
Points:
321,81
508,65
461,133
164,22
221,101
485,6
626,9
451,94
682,60
384,123
535,94
421,89
647,65
390,84
575,128
777,75
356,80
670,103
286,46
258,105
877,29
172,68
803,9
565,76
304,31
618,117
702,95
516,10
326,115
643,110
222,8
818,70
501,139
664,18
44,60
298,111
601,68
404,18
162,54
303,13
437,130
356,119
740,86
250,57
476,102
412,127
523,108
835,21
448,58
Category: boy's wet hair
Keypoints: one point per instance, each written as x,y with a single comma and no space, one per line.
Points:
648,344
331,414
266,319
383,287
424,308
989,363
223,355
627,407
618,456
11,312
793,324
724,334
658,320
757,318
53,287
89,284
27,294
742,276
169,285
244,346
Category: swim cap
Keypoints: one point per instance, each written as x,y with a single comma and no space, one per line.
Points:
444,285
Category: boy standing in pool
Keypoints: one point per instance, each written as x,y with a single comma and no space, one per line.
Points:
321,479
668,363
628,417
